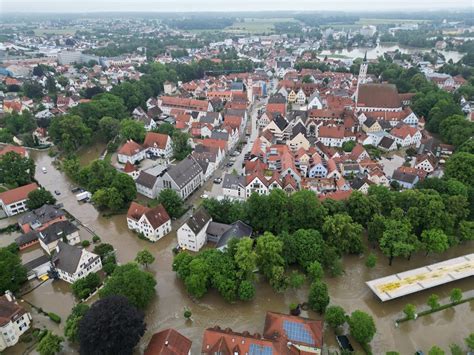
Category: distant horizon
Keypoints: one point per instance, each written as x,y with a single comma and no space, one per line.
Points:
35,7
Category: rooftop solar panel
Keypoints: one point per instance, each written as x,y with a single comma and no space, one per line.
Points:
256,349
297,332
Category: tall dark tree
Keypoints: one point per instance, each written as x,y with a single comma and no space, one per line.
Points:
111,326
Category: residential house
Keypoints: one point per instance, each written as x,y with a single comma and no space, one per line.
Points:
233,186
73,263
40,218
426,162
361,184
405,136
60,231
387,144
14,321
378,97
14,201
220,234
168,342
153,223
192,234
159,145
131,152
185,177
406,180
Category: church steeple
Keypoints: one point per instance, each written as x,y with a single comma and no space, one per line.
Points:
362,76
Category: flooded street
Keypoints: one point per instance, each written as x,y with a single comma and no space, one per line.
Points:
349,291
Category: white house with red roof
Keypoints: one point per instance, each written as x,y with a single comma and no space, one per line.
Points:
159,144
131,152
406,135
14,201
14,321
154,223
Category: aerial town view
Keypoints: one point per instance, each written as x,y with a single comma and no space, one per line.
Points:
251,178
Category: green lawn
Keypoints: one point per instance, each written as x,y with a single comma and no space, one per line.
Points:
257,25
386,21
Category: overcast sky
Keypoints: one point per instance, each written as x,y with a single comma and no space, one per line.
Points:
35,6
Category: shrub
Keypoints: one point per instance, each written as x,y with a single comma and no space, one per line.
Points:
371,260
85,243
54,317
95,239
82,288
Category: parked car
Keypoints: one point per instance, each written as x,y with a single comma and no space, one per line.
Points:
57,193
229,164
217,180
43,169
204,196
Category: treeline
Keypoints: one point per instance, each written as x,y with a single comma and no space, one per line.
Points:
201,23
316,20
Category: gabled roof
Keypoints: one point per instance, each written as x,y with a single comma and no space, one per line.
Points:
130,148
68,257
18,194
156,140
168,342
198,220
41,215
57,231
378,95
136,211
146,179
157,216
9,310
183,172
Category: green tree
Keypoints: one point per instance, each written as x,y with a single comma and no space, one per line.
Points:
130,129
410,311
172,202
128,280
362,207
433,301
305,211
17,123
318,298
125,185
455,295
342,233
72,322
165,128
460,166
335,316
13,273
32,90
470,341
456,349
348,146
371,260
362,327
38,198
104,250
69,132
435,350
246,290
466,230
434,241
296,280
269,254
180,144
245,259
144,257
398,240
83,287
50,344
109,128
16,170
111,326
315,271
303,247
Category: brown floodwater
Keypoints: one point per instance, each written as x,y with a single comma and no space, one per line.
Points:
349,291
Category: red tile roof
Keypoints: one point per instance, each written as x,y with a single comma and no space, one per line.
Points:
18,194
216,340
130,148
136,211
168,342
188,104
156,140
157,216
338,195
13,148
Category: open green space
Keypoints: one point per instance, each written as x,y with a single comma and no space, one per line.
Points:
257,25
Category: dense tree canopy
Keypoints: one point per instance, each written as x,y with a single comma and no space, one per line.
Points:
111,326
128,280
16,170
38,198
13,273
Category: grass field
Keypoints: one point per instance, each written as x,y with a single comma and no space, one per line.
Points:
386,21
55,31
257,25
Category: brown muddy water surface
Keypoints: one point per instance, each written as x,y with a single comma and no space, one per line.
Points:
349,291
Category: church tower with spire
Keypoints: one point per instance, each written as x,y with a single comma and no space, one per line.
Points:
362,78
